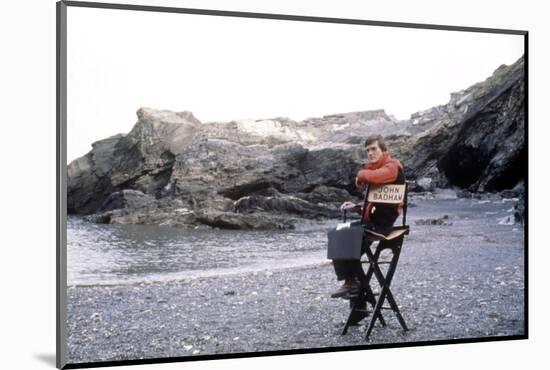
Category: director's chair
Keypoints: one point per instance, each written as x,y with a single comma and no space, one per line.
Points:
350,242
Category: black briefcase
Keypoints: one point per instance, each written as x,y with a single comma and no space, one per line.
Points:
344,242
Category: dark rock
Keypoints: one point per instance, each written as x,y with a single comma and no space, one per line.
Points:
326,194
329,167
515,192
141,160
171,169
519,209
101,218
258,220
480,145
284,204
131,199
88,184
441,221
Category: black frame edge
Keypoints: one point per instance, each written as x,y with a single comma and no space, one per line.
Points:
61,168
526,169
291,352
287,17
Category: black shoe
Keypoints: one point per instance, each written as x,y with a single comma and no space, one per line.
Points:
349,287
357,316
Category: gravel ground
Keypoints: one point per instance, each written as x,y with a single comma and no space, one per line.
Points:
452,282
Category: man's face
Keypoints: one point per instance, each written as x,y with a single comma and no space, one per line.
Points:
374,153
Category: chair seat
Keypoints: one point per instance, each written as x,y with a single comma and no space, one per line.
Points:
397,232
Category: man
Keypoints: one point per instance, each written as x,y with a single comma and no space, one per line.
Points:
378,218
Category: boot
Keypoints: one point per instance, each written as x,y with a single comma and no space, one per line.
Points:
349,286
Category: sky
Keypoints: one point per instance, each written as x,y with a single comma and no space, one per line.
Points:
223,68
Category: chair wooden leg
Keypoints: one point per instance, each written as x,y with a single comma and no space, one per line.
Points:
358,305
389,296
385,282
373,264
358,312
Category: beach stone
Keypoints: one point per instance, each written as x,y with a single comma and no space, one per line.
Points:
441,221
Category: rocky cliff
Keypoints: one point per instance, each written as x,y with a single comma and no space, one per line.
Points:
477,140
173,169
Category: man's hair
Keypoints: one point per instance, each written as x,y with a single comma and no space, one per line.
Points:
371,139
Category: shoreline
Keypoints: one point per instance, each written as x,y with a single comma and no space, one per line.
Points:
442,296
208,274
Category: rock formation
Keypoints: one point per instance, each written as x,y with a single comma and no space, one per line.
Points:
477,140
172,169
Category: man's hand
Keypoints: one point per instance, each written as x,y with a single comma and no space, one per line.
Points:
346,206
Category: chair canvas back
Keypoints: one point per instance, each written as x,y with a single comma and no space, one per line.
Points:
388,194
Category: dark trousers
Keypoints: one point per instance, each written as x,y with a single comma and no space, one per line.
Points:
348,269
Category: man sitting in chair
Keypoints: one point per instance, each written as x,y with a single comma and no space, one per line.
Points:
378,218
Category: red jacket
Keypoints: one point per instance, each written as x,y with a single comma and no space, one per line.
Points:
384,171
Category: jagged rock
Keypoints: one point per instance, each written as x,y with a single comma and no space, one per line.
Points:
131,199
88,184
519,209
516,191
149,215
326,195
230,220
141,160
261,173
100,218
284,204
482,146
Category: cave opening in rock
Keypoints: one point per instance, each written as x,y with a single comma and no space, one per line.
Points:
512,175
462,166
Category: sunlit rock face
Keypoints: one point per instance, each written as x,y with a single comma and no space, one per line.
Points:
173,169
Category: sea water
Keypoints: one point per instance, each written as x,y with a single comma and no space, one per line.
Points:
100,254
117,254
